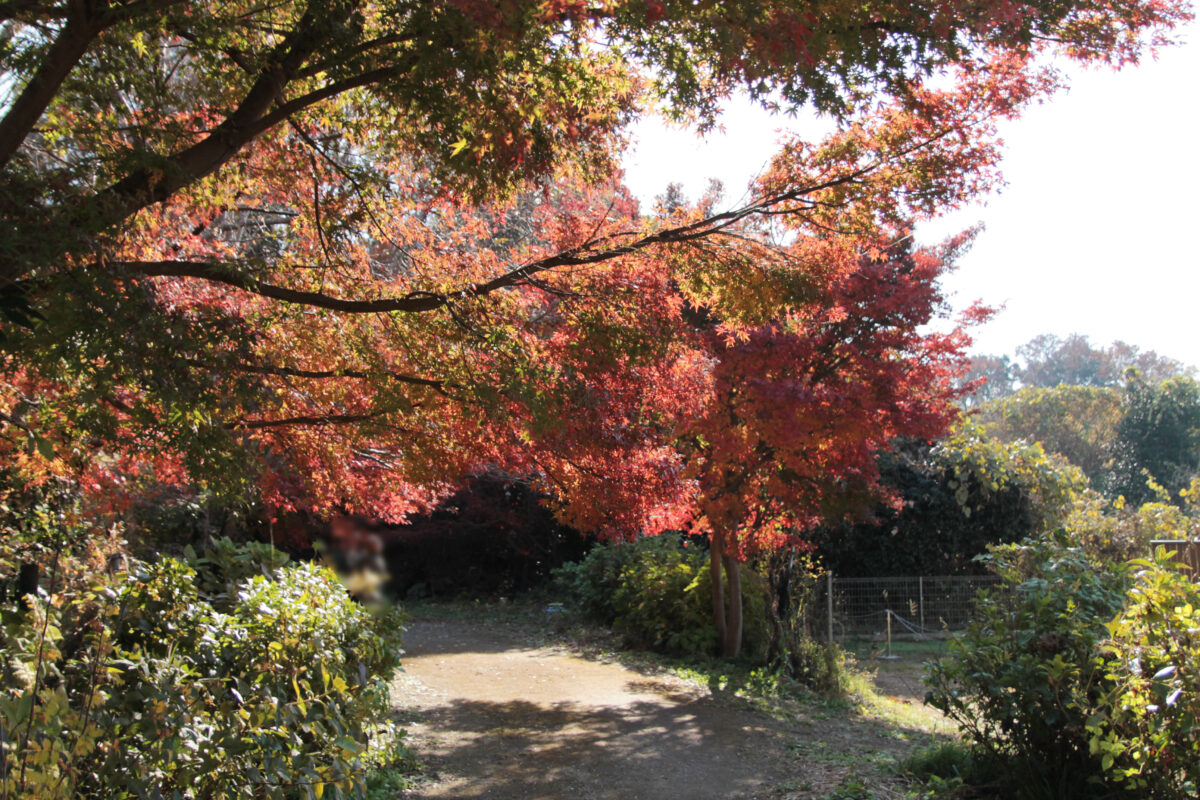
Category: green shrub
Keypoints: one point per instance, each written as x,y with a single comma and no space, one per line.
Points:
1146,726
1022,682
798,620
818,666
941,763
656,591
1083,681
251,680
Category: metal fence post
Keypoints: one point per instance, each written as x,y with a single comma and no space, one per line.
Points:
921,598
829,603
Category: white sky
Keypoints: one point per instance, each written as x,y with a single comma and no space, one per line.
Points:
1097,231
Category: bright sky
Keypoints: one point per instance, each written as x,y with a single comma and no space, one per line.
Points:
1097,231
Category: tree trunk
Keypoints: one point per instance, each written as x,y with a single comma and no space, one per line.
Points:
718,589
27,584
724,569
731,647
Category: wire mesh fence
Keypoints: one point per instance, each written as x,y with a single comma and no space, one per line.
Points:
905,619
930,606
927,605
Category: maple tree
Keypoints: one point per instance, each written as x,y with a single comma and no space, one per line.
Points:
339,254
800,408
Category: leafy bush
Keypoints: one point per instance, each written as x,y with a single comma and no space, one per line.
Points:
656,591
1146,725
797,618
1081,681
958,497
1022,682
941,762
229,676
1114,531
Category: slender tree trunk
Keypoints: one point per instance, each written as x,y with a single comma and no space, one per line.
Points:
718,588
731,647
27,584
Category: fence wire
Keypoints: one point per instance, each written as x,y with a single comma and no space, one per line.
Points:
926,606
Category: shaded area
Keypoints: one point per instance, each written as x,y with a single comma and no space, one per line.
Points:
494,716
646,749
495,536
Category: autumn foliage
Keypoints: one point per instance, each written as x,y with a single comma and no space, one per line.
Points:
338,255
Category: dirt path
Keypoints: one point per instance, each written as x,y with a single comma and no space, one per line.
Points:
494,717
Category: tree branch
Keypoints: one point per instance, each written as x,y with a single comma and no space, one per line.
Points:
148,185
219,273
290,372
321,420
85,21
421,301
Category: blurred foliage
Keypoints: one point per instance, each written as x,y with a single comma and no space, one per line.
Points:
1049,361
225,674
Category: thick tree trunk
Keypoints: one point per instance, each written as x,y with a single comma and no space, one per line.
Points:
731,647
718,588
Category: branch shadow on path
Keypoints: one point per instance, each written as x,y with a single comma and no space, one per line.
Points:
643,750
494,716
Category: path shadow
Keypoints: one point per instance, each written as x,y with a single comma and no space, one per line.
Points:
667,741
642,750
447,637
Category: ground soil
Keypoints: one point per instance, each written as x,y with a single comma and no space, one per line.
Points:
494,714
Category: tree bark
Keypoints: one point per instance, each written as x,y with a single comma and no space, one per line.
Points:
718,588
83,24
732,646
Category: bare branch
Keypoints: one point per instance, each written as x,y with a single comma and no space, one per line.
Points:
354,374
304,421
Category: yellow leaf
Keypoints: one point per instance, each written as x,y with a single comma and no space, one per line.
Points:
458,147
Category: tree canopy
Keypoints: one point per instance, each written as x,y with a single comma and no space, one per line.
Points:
1158,440
1047,361
340,253
1077,422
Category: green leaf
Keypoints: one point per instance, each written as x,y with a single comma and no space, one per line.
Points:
45,447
